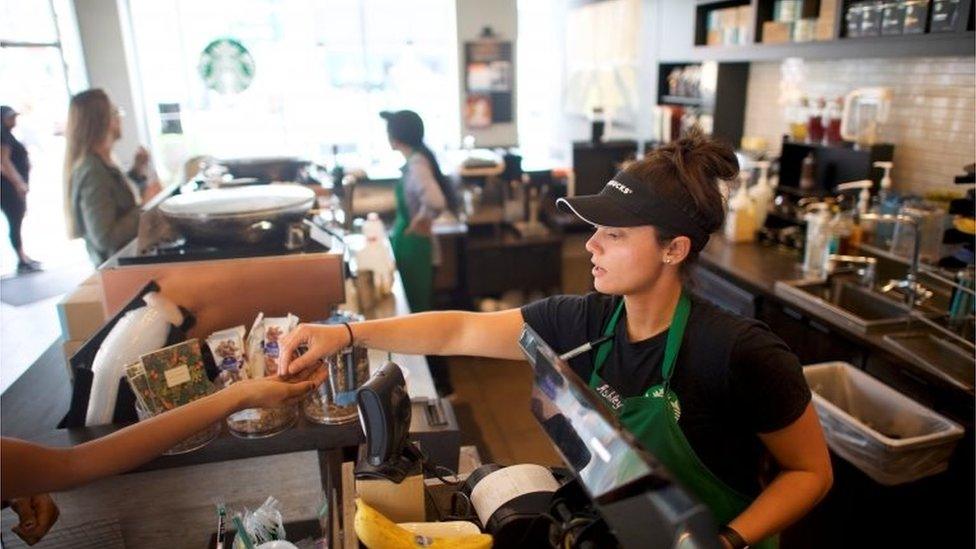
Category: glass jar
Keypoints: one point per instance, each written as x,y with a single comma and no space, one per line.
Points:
871,18
815,125
190,443
262,422
853,17
334,402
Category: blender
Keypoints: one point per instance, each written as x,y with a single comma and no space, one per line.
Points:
864,110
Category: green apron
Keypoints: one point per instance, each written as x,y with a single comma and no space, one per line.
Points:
413,257
653,420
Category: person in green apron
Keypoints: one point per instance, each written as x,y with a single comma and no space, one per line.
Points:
421,195
716,397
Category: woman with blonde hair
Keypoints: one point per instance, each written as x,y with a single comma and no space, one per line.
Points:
101,203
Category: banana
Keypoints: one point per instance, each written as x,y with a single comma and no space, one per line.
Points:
378,532
965,224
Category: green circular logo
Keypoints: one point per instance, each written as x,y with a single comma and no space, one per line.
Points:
226,66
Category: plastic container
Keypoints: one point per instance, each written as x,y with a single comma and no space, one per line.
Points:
262,422
885,434
189,444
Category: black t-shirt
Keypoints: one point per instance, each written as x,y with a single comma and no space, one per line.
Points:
18,155
734,378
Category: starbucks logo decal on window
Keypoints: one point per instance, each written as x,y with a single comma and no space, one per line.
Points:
226,66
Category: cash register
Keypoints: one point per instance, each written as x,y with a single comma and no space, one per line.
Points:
611,493
641,504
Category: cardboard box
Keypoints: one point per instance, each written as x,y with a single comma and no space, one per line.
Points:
82,312
402,502
825,20
744,22
777,33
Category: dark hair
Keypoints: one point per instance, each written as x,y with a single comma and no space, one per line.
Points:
408,128
694,163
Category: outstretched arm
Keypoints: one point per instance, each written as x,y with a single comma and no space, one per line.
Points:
492,335
27,468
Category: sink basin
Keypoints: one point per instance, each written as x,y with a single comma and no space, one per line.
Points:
844,302
946,360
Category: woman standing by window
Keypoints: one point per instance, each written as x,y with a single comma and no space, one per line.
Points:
14,175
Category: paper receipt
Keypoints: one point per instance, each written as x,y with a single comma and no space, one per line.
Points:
505,484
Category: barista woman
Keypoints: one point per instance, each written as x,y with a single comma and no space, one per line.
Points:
709,393
421,195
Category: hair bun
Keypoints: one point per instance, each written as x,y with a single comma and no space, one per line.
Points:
716,159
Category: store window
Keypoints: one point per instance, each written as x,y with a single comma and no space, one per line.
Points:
542,130
318,74
40,67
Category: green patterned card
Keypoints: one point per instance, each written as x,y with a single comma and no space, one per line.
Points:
139,382
176,374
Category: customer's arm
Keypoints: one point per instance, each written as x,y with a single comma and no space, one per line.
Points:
493,335
27,468
105,227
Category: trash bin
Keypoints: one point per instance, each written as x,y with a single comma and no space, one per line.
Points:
885,434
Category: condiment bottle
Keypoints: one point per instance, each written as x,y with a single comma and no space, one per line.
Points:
761,193
740,223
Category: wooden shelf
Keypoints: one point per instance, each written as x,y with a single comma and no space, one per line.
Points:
915,45
679,100
959,43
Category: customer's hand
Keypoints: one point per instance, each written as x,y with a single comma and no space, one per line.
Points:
151,190
321,340
37,515
272,392
22,191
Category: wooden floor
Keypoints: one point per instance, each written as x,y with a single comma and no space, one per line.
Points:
497,394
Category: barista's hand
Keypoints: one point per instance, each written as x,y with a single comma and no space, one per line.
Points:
272,392
321,340
420,226
37,515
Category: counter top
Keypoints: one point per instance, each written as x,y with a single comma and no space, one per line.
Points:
757,267
33,406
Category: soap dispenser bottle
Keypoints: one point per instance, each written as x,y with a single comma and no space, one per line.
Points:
817,246
857,228
761,194
740,223
886,202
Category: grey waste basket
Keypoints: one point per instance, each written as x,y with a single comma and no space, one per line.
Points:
889,436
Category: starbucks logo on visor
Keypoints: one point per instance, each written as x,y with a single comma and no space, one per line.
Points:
619,186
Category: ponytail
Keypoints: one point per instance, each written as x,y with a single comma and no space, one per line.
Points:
447,189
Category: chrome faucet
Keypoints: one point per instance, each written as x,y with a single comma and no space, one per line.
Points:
867,272
913,290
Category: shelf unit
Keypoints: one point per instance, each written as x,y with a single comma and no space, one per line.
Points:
961,41
726,106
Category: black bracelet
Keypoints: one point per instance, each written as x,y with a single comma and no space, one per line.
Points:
352,339
734,538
